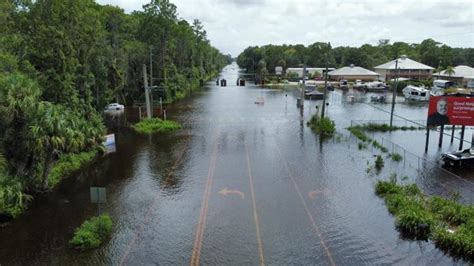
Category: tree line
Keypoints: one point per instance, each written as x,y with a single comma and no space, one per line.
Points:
264,59
62,61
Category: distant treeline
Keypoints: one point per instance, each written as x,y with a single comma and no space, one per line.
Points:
62,61
264,59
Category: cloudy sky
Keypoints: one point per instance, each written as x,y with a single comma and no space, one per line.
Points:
233,25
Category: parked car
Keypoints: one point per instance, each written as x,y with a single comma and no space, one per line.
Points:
343,85
114,107
458,158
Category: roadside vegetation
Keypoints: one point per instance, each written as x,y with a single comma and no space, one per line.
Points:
92,233
153,125
449,224
325,127
62,62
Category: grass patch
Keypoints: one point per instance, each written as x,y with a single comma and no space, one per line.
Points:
396,157
68,164
92,232
152,125
325,127
357,131
386,128
447,223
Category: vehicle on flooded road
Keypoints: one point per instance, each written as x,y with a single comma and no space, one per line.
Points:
463,158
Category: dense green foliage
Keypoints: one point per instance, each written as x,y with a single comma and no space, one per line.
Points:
325,127
449,224
62,61
264,59
92,233
153,125
68,164
396,157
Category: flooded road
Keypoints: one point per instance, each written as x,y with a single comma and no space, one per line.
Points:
242,183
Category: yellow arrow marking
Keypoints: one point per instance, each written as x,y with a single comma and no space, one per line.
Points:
226,191
314,193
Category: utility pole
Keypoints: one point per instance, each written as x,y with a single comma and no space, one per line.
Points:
394,92
151,80
325,87
303,87
147,95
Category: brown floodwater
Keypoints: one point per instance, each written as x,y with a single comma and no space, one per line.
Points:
241,183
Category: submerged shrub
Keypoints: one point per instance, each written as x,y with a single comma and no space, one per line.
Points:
396,157
152,125
383,188
415,221
68,164
92,232
325,127
458,243
379,163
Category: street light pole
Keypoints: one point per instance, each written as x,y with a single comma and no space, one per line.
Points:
394,92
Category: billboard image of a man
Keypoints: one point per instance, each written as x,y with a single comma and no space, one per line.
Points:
440,117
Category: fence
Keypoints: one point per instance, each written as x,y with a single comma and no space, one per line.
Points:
422,170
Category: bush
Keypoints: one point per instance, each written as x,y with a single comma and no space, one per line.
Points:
458,243
415,221
68,164
357,131
152,125
12,199
92,232
382,188
450,211
362,146
396,157
325,127
379,163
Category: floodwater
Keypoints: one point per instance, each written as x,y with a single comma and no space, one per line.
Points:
242,183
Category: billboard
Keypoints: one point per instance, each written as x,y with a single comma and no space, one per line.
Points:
451,111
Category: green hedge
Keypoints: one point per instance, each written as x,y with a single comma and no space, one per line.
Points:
92,233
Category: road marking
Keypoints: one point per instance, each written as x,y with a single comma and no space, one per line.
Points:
314,193
310,216
226,192
204,206
151,207
254,205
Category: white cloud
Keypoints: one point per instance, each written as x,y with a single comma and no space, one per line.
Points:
232,25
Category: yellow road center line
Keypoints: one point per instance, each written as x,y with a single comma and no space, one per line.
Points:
204,207
254,204
313,223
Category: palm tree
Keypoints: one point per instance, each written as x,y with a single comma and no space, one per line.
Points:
54,131
450,71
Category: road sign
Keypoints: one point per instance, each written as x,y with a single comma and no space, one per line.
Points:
98,195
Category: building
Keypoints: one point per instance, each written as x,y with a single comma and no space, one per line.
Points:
463,75
353,73
407,68
309,71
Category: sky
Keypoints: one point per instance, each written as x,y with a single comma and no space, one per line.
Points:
233,25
